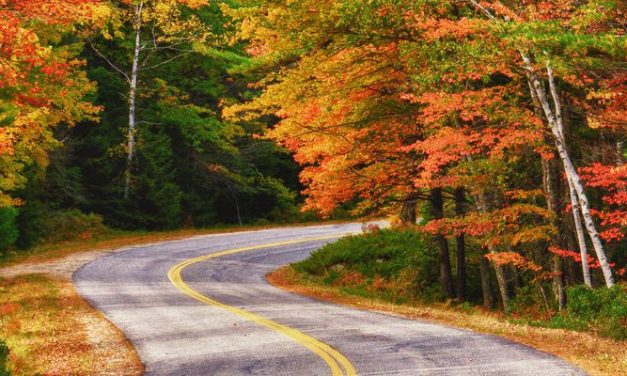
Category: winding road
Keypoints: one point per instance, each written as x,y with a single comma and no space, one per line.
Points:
201,306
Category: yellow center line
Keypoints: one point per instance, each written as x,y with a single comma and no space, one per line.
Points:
337,362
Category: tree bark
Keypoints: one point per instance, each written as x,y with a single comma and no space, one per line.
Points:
486,290
581,239
460,247
551,188
408,212
502,281
437,212
132,95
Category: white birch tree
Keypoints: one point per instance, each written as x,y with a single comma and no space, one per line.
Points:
161,32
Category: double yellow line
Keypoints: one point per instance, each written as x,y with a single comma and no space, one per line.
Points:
338,363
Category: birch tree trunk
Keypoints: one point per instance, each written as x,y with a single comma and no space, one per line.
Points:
554,119
555,124
581,239
132,96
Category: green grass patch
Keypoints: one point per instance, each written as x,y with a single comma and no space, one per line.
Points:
397,265
602,311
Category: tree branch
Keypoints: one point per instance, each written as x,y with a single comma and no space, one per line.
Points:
166,61
128,79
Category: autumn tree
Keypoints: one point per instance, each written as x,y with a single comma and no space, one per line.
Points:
42,83
456,94
567,33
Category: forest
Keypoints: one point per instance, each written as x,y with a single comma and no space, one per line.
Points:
494,129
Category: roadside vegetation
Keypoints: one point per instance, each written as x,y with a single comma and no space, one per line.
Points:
78,239
400,266
396,271
47,329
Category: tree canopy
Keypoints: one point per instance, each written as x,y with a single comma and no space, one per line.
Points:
496,127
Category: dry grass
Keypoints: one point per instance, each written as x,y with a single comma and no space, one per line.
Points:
596,355
50,330
119,239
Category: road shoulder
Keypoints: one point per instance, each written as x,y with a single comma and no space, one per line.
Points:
50,327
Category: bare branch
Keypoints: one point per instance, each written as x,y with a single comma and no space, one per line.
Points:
166,61
109,62
483,9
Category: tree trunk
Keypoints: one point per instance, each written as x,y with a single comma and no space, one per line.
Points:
502,281
408,212
482,206
484,270
551,187
460,247
132,95
573,201
554,120
581,239
437,212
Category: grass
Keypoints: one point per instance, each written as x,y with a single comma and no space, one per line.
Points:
46,326
592,353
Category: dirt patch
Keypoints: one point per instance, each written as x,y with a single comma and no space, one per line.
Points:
61,268
112,352
594,354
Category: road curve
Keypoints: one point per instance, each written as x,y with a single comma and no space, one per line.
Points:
237,324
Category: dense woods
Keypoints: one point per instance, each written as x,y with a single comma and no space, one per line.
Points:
112,113
494,128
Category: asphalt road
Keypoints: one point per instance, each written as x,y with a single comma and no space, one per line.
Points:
246,327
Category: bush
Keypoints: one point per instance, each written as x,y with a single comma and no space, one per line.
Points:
8,228
30,221
4,358
72,224
389,263
603,310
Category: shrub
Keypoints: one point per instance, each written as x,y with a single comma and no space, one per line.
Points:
30,222
8,228
391,263
603,310
4,358
72,224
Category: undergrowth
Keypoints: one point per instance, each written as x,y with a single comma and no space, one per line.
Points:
401,266
396,265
